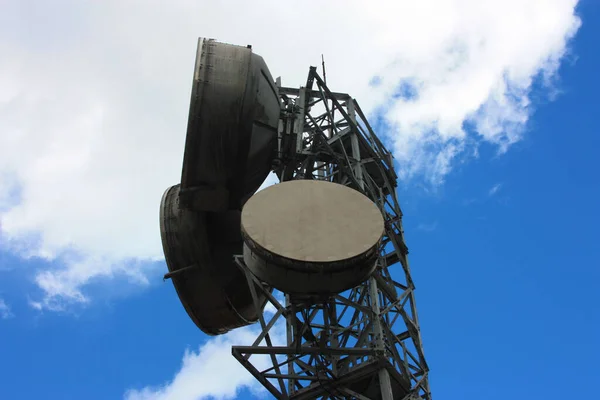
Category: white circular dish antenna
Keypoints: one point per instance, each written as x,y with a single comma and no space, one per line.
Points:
307,236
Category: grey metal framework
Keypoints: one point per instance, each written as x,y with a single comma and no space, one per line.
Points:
364,343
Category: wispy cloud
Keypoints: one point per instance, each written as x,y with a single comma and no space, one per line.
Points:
494,189
91,167
5,311
428,227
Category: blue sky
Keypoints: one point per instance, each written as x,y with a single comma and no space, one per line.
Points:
503,248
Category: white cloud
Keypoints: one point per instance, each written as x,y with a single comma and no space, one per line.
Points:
494,189
213,372
427,227
94,101
62,287
5,311
202,373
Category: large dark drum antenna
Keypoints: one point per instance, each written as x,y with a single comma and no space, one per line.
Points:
230,143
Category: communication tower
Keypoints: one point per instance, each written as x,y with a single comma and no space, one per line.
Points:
329,236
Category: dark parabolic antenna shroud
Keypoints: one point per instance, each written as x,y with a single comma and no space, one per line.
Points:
230,142
232,128
311,237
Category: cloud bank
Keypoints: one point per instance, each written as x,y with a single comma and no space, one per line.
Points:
94,100
202,373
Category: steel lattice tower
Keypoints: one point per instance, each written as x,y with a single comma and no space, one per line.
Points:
364,343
